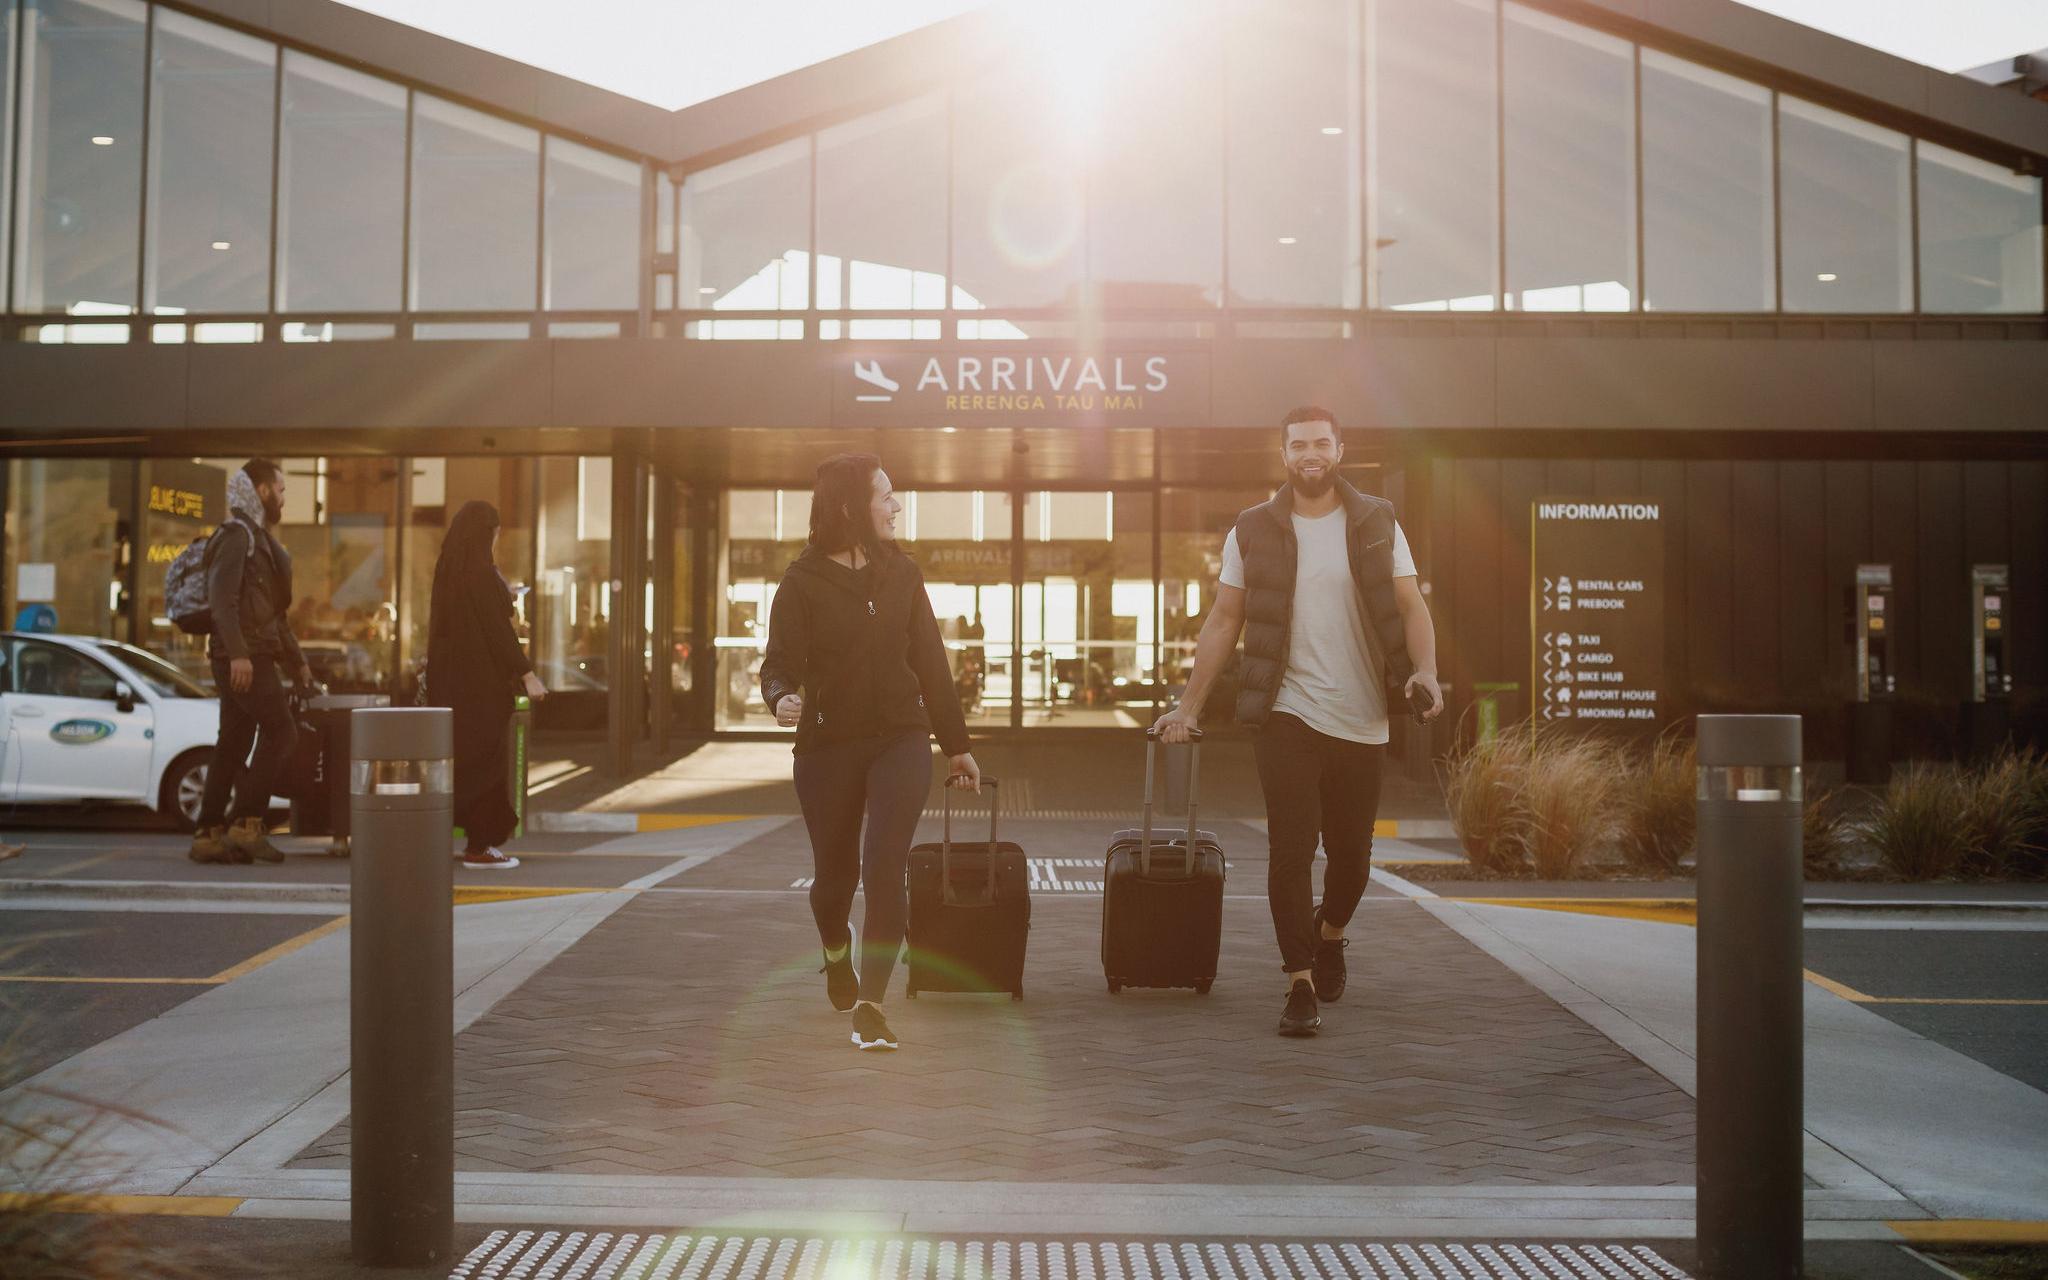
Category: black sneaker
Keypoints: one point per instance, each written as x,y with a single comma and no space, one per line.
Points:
1300,1017
842,985
870,1031
1328,966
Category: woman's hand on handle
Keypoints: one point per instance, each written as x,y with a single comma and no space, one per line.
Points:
534,688
965,774
789,710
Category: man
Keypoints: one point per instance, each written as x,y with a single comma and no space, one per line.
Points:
249,595
1321,582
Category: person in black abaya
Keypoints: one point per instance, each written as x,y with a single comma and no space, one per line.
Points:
475,666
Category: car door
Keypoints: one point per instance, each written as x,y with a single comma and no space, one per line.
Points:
68,736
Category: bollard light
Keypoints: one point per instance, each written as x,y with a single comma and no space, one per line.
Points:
1751,997
402,986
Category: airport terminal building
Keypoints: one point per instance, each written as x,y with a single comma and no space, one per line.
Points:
1703,355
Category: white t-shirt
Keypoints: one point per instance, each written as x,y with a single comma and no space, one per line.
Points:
1331,682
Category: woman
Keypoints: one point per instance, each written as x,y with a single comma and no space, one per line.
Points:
856,664
474,663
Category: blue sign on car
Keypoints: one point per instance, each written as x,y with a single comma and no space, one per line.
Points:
77,733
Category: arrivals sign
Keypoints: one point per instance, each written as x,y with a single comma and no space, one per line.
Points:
1596,611
1020,388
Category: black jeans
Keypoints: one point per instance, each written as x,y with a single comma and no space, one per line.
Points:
1317,787
260,717
888,779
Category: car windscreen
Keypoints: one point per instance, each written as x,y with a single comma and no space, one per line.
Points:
166,680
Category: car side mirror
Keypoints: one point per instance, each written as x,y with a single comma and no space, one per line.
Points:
124,697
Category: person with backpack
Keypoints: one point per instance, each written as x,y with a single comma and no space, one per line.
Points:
856,666
1336,631
248,577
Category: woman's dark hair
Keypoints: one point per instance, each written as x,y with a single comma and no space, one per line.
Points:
465,551
841,505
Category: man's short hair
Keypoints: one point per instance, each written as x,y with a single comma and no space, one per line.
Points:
262,471
1309,413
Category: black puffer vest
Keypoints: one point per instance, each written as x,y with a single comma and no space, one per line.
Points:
1265,538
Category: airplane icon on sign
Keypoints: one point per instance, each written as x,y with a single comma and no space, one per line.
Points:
870,372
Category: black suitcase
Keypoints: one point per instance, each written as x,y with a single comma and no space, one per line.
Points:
1162,898
970,911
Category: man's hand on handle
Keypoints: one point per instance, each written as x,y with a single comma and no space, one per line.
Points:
1426,681
1175,726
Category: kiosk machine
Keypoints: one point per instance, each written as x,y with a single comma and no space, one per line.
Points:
1987,713
1872,620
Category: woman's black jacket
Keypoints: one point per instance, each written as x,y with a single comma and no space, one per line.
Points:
863,648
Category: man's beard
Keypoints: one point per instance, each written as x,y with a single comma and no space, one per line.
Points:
273,510
1311,486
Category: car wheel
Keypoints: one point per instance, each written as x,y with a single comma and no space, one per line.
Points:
184,787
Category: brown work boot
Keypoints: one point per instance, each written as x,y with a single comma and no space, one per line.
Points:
208,845
249,837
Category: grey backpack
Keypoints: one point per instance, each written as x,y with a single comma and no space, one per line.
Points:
185,598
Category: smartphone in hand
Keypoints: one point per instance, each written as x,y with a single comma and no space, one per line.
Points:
1419,703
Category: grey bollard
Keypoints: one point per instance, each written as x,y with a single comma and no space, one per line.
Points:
1751,998
402,986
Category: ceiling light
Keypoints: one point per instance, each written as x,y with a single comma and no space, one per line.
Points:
708,288
102,140
1286,239
1332,130
949,430
222,245
1826,277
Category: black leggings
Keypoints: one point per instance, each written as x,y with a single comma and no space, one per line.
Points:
1318,788
887,779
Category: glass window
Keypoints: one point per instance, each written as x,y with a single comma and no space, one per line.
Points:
8,18
212,94
340,525
79,187
1434,202
1017,199
593,230
183,500
1155,187
573,613
475,210
1707,235
1845,204
162,678
882,210
63,531
746,228
53,670
1571,169
1980,234
341,190
1294,167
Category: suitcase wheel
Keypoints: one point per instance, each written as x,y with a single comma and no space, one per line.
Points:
1018,994
1202,987
1116,987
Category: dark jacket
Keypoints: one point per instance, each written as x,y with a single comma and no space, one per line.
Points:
863,648
474,658
249,594
1265,538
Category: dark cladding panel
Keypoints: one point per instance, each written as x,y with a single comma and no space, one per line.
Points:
371,385
1848,486
92,388
1987,513
1754,566
1962,386
1617,478
2029,559
1894,540
662,383
1572,477
1944,583
1477,546
1777,384
1711,582
1389,382
1803,603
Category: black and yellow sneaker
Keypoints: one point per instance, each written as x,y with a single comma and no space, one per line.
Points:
1328,966
842,985
870,1030
1300,1017
209,844
247,838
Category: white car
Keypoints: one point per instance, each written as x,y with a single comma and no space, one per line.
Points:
83,719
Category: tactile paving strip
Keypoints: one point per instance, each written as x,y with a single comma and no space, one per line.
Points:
576,1255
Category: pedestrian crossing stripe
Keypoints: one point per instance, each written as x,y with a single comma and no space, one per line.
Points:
628,1256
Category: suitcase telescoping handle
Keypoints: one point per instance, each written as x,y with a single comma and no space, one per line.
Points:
1194,790
946,841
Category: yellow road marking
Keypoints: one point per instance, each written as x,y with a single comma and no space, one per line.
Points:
1388,828
162,982
1971,1231
160,1206
1850,993
1838,988
1659,910
678,821
284,948
471,895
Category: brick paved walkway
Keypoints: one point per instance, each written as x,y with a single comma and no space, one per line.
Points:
689,1035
